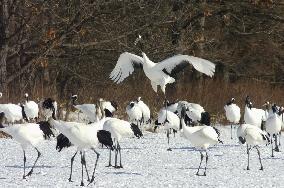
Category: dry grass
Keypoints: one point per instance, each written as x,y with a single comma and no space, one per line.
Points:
212,94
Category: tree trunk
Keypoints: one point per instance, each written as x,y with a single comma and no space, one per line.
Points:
3,46
3,69
201,45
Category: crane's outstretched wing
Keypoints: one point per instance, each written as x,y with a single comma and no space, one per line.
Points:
177,63
125,66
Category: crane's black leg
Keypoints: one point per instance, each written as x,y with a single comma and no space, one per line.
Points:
109,161
85,165
82,163
38,155
272,154
72,160
93,175
231,131
115,156
258,152
119,149
276,144
279,138
25,160
201,159
166,107
206,163
168,136
248,148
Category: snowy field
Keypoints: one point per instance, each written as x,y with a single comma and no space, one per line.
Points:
147,163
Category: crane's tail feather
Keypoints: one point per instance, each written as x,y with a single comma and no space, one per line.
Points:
46,129
242,140
62,142
137,132
104,138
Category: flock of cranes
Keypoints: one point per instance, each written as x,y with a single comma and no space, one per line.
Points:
21,121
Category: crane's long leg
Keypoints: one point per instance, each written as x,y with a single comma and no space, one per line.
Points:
119,149
25,160
201,159
258,152
272,154
166,106
109,161
85,165
82,163
248,148
276,144
38,155
231,131
279,138
206,163
93,175
72,160
168,136
115,156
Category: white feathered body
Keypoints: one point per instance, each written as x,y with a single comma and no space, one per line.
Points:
31,109
118,128
273,124
26,134
254,116
252,134
82,135
145,111
233,113
194,110
107,105
12,112
155,71
134,113
200,136
174,121
173,107
156,75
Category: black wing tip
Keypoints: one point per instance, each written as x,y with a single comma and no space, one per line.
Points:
242,140
114,104
217,131
205,118
137,132
105,138
45,127
48,103
62,142
266,138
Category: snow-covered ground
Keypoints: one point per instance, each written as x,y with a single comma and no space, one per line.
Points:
147,163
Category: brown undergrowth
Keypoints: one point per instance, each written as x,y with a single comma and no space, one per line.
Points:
212,94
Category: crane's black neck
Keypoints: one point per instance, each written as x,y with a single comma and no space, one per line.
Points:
2,116
24,113
274,108
231,102
247,101
182,117
73,101
53,113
